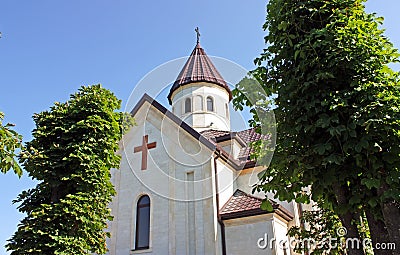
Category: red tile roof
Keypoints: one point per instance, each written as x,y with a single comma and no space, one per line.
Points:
246,136
241,204
199,68
250,135
213,134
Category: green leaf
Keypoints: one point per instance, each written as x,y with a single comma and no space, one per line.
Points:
266,206
371,183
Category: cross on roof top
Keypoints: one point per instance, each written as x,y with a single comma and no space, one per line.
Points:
198,34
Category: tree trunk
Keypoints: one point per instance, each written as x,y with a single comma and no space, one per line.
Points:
391,215
348,221
379,234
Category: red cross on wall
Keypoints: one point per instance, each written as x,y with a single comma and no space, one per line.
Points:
144,149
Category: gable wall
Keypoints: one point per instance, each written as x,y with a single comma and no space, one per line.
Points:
177,153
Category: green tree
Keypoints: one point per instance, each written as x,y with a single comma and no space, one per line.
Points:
10,143
337,112
71,154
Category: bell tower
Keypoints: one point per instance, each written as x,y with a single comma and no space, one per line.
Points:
200,96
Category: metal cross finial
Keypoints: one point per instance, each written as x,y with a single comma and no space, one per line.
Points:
198,34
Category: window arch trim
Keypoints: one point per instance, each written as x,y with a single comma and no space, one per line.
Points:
210,104
142,226
187,105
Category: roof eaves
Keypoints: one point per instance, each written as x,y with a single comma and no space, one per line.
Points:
174,118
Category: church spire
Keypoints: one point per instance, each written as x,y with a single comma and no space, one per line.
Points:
198,68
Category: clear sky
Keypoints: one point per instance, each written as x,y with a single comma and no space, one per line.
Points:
50,48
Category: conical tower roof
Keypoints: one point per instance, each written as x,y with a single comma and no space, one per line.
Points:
198,68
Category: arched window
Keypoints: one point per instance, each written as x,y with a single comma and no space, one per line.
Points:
188,105
210,104
142,223
227,110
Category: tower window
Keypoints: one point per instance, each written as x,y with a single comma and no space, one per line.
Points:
188,105
210,104
227,110
142,223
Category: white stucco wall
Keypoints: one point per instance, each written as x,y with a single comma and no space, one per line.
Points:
254,227
176,154
249,177
232,147
280,228
263,233
199,118
226,182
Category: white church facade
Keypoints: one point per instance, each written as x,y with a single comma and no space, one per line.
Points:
185,179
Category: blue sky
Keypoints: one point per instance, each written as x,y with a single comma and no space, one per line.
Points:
50,48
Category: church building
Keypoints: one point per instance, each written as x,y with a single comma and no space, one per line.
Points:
185,179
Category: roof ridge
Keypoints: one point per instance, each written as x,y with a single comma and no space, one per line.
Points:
212,129
247,194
